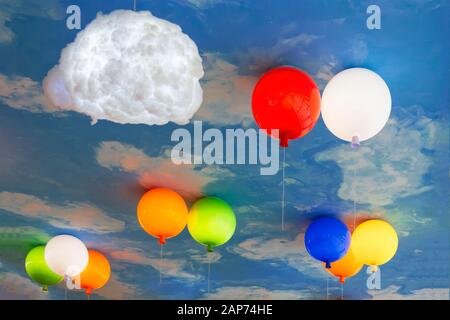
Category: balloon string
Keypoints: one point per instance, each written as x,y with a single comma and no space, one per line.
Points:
353,196
134,5
66,280
327,288
160,264
209,269
282,191
342,291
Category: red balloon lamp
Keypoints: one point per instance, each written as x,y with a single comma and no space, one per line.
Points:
286,103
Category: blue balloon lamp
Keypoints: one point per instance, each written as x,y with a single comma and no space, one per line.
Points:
327,240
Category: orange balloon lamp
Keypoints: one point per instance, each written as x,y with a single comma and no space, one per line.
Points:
97,272
345,267
162,213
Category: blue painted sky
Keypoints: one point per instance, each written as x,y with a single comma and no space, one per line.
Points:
60,174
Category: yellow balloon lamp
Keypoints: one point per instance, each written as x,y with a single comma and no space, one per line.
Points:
374,242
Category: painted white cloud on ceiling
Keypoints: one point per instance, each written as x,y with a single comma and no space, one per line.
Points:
75,216
256,293
24,93
158,171
9,10
389,166
289,252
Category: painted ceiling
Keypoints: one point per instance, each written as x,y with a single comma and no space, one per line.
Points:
60,174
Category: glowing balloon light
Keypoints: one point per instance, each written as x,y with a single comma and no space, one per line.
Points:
211,222
66,255
345,267
286,99
375,242
356,105
38,270
97,272
162,213
327,240
286,105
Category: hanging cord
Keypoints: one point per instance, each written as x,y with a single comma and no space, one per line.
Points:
354,198
282,191
209,254
354,145
342,291
66,279
327,288
134,5
160,263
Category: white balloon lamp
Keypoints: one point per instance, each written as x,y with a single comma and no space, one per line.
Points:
356,105
66,255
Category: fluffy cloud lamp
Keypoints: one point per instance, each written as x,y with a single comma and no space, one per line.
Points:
356,105
129,67
66,255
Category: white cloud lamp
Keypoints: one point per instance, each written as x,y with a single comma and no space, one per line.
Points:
130,68
356,105
66,255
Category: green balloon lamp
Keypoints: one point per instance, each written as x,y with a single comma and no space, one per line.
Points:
211,222
38,270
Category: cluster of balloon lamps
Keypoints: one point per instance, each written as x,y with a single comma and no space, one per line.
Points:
66,257
163,214
355,104
373,242
286,104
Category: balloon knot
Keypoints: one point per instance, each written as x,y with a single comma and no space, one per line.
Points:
88,291
162,240
209,248
327,265
342,280
373,268
284,142
355,142
45,288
